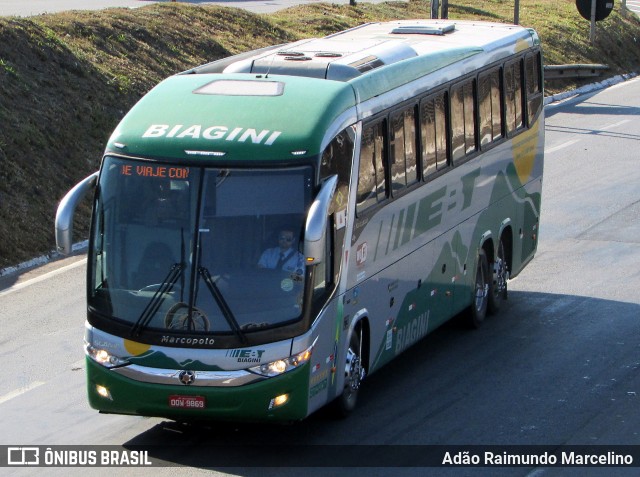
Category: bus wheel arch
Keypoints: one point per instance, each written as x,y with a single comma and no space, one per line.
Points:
355,367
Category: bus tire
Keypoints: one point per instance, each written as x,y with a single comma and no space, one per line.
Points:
498,284
478,308
354,373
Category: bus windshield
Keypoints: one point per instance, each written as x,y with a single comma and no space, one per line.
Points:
196,250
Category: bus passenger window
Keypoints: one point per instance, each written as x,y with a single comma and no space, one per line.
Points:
434,134
490,107
457,123
371,177
534,86
513,95
496,105
403,140
462,120
469,118
410,145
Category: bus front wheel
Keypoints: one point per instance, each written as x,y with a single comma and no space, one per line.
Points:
354,373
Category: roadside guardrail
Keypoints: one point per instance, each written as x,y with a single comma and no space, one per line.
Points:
552,72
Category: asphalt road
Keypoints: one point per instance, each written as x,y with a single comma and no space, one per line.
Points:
559,365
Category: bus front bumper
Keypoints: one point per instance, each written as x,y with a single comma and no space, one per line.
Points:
281,398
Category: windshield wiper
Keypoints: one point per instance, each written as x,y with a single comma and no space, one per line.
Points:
158,298
222,304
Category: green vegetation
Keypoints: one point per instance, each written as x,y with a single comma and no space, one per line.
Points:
67,79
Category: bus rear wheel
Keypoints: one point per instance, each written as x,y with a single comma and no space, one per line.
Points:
498,288
478,309
354,373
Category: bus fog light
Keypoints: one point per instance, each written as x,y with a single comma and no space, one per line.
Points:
279,401
104,392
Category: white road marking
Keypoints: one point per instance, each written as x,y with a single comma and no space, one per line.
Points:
619,123
18,392
561,146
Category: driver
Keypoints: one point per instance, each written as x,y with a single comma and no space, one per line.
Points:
285,256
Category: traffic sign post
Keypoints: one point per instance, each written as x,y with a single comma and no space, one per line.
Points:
594,11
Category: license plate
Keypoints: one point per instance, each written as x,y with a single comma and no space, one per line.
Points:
187,402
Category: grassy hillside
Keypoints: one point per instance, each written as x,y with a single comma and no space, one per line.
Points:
67,79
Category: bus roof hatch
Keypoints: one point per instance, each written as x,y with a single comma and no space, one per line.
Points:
439,29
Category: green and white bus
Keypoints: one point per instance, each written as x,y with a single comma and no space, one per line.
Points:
403,163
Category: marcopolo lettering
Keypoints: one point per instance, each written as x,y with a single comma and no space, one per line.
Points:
189,341
212,133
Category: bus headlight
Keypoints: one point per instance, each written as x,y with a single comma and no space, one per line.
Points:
280,366
103,357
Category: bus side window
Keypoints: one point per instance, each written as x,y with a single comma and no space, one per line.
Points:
411,145
490,107
371,176
513,95
337,158
534,86
403,149
463,120
433,125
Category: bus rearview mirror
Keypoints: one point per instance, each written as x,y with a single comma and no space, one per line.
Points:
66,211
316,227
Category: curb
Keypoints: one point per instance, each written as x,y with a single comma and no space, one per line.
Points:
559,97
41,260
